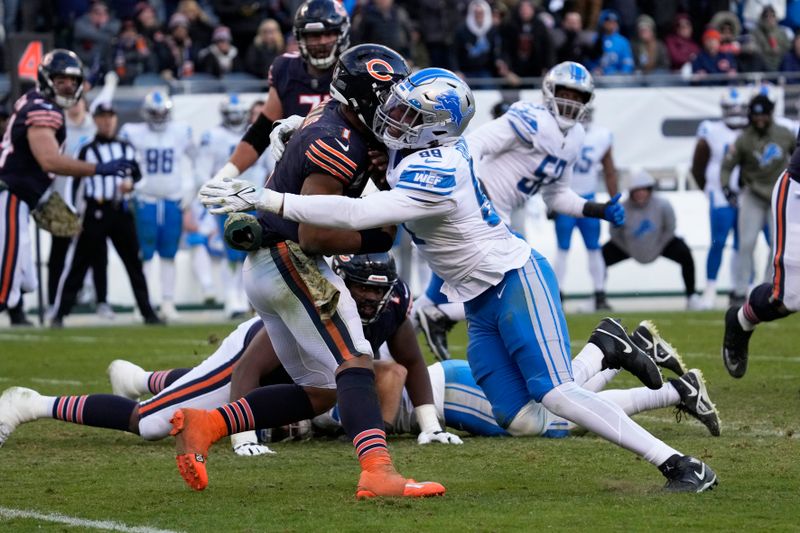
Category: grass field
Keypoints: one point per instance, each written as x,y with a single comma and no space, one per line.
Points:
579,483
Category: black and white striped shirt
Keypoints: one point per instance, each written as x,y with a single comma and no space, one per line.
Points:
99,188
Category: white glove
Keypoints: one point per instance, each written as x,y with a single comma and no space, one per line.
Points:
246,444
231,195
426,437
282,130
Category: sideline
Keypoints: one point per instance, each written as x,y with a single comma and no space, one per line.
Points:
58,518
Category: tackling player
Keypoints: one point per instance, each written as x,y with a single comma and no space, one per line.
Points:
165,190
30,157
518,340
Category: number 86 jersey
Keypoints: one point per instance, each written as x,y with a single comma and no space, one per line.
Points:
524,152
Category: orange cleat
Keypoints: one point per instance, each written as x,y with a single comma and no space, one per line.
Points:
195,430
387,482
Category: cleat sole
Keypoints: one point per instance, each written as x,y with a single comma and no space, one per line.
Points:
193,471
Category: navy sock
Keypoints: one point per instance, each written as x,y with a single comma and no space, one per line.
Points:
359,409
96,410
760,307
267,407
161,379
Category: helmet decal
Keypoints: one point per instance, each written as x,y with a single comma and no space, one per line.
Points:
372,63
450,102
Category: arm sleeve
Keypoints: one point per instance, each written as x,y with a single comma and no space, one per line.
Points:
560,198
372,211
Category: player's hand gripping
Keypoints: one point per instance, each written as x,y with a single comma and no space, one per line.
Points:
116,167
230,195
426,437
282,130
246,444
614,212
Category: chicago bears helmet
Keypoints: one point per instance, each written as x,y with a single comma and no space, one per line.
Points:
321,16
431,107
734,108
60,62
234,113
364,76
568,75
157,110
371,270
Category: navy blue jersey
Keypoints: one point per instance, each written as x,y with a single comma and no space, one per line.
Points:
18,168
298,90
393,315
325,144
794,162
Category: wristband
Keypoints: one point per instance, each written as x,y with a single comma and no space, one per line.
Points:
245,437
427,419
228,171
257,135
594,210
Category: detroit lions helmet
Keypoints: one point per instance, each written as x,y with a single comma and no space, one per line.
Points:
568,75
234,113
734,108
429,108
157,110
373,270
321,16
60,62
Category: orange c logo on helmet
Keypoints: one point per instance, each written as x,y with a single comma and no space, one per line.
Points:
372,63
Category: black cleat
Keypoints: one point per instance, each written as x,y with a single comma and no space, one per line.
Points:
735,344
687,474
600,302
17,316
647,338
620,351
435,325
695,400
153,320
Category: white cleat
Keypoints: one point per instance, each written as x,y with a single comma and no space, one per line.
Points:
169,313
17,406
105,312
126,379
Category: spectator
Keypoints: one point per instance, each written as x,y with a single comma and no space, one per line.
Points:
478,45
730,29
663,13
680,46
527,42
589,10
177,54
201,26
627,12
132,54
712,61
649,53
94,32
649,233
243,18
221,57
437,29
754,11
383,22
147,23
267,45
791,60
572,43
771,39
612,52
750,58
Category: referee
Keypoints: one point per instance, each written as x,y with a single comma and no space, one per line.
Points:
107,215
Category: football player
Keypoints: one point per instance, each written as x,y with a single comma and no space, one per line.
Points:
714,138
518,339
30,158
166,151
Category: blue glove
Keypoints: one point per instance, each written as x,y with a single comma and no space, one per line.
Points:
614,212
116,167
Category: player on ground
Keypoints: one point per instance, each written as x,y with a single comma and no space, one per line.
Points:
518,340
167,187
30,157
714,137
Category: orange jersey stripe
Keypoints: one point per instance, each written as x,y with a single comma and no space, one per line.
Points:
346,171
337,153
332,171
188,390
11,244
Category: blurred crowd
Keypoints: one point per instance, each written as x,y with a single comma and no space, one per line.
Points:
511,39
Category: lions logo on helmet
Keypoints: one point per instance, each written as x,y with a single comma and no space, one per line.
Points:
60,62
157,110
321,17
234,113
370,278
430,108
572,76
734,108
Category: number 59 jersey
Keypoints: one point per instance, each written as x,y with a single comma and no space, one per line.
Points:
161,155
523,152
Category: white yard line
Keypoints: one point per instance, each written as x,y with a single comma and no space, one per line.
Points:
58,518
88,339
57,381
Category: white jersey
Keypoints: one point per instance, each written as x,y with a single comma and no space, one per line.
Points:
719,138
436,195
216,147
587,167
523,152
162,157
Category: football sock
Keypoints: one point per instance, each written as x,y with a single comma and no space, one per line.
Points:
597,269
607,420
641,399
167,279
97,410
560,265
267,407
760,307
361,416
599,381
587,364
454,311
203,271
161,379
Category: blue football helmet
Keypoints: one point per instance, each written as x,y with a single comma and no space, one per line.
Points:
568,75
734,108
234,113
429,108
157,110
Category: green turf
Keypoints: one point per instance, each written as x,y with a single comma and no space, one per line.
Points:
578,483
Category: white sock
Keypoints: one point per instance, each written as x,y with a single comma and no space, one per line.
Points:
560,266
599,381
607,420
597,269
746,324
641,399
45,407
168,279
587,364
454,311
203,271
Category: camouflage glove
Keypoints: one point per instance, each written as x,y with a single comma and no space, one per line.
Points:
243,232
55,216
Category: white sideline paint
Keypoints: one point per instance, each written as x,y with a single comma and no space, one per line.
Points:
58,518
57,381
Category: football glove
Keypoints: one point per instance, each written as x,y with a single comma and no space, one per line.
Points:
246,444
233,195
731,196
282,130
614,212
426,437
116,167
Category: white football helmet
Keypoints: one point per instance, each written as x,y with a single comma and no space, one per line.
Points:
234,113
429,108
157,110
734,108
569,75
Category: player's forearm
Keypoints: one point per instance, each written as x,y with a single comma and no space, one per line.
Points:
563,200
66,166
418,383
389,381
244,156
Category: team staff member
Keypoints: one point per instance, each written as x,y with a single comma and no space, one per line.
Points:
107,215
30,156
